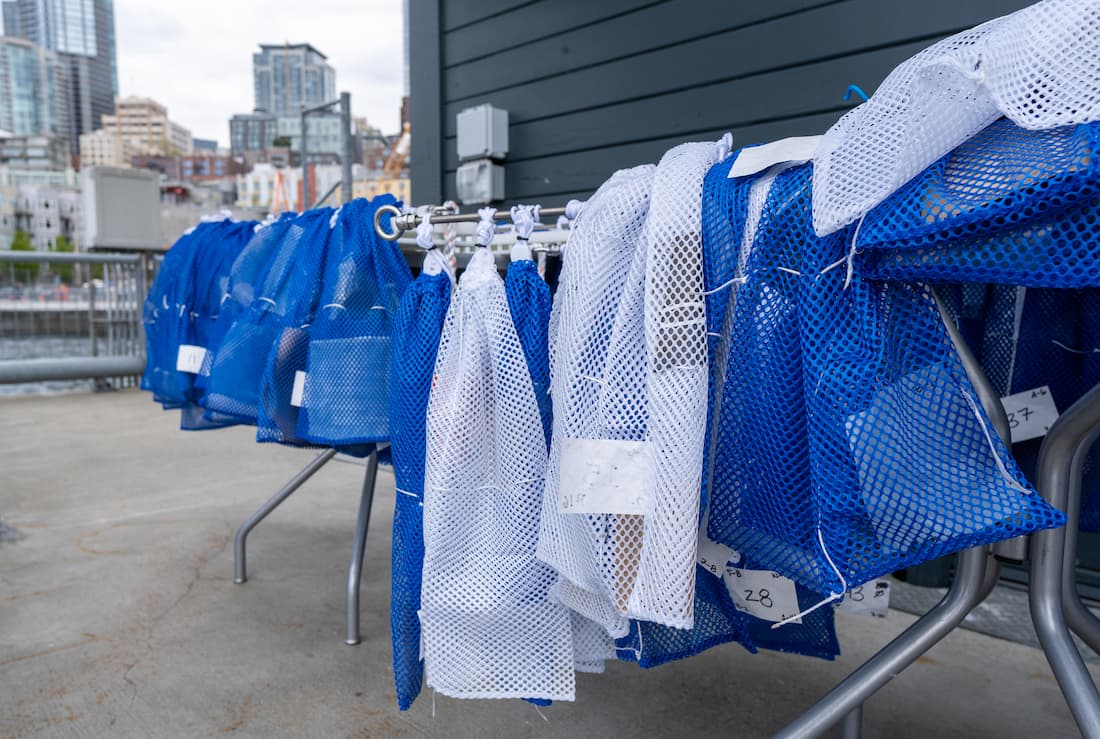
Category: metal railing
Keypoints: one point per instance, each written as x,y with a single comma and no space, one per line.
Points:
72,316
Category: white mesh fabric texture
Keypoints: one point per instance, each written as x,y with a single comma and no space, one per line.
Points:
597,364
489,627
676,386
1040,67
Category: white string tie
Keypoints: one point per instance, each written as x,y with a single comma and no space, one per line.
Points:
486,227
828,599
724,146
424,232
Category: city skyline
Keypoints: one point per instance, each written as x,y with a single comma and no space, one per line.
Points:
214,85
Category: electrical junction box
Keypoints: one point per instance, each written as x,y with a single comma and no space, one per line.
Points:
482,133
480,181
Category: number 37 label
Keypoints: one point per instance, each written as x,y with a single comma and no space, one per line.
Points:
1030,413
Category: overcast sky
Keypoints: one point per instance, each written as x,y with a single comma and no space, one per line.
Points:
195,56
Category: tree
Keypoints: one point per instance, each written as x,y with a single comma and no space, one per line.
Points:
24,272
64,271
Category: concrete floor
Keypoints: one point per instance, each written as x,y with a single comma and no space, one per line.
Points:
119,616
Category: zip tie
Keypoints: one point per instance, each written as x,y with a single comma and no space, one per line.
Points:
406,492
333,305
832,596
540,713
790,271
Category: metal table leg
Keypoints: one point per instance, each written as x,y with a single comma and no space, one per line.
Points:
965,592
1079,618
853,723
355,569
239,564
1054,478
975,577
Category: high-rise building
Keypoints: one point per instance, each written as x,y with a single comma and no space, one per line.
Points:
82,32
32,86
144,123
288,77
252,132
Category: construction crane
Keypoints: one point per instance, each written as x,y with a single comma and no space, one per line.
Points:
395,162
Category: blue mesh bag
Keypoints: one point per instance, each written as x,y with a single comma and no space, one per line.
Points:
346,386
287,295
165,315
529,303
1035,337
213,261
1009,206
416,333
847,439
245,275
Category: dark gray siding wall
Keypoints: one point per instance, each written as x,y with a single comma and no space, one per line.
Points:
597,85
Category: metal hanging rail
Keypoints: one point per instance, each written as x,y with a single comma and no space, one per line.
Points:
402,222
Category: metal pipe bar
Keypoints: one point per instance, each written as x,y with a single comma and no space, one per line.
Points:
69,368
55,257
345,160
359,546
1080,619
402,222
1054,478
322,106
972,583
239,559
853,723
323,198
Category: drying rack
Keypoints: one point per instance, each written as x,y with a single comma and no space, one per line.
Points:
454,232
1056,607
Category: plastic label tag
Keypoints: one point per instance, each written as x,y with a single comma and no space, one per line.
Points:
1030,413
762,593
869,599
299,389
190,358
758,158
603,476
713,557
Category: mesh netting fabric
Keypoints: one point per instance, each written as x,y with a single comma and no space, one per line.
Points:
489,627
287,295
1038,67
164,314
211,286
416,333
848,439
529,303
1009,206
597,345
1027,338
245,275
346,392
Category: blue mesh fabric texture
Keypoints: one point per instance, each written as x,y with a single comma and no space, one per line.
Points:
211,279
166,316
1027,338
1009,206
286,295
416,333
847,441
529,303
346,387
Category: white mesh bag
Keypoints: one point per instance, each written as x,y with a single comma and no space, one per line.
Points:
489,627
1040,67
629,386
597,351
676,386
